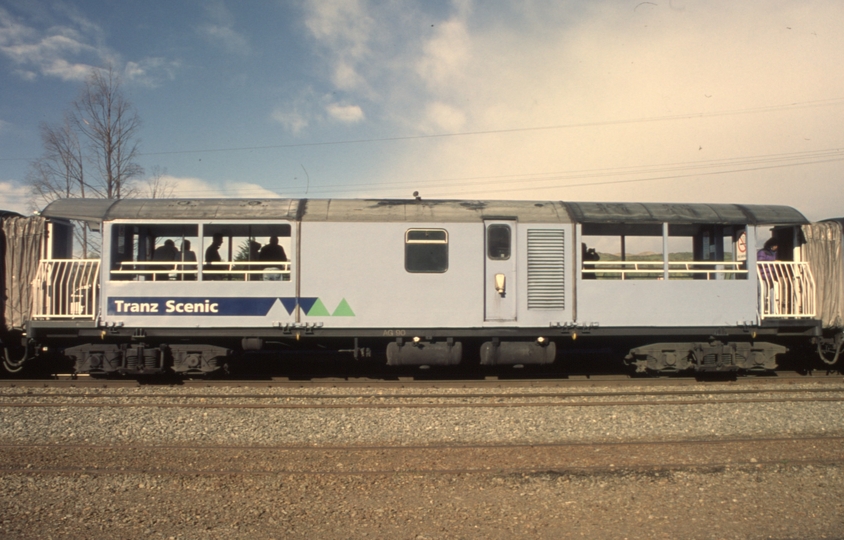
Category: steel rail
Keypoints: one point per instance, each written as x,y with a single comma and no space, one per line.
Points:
571,380
399,405
521,395
542,468
554,470
692,441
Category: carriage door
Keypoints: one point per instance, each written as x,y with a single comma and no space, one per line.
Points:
500,267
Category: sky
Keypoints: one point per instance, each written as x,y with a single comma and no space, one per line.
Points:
665,101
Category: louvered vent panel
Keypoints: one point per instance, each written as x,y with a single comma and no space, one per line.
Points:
546,265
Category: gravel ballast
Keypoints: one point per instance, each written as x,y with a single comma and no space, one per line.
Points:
687,491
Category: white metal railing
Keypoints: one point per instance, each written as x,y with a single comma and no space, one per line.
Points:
188,271
656,269
66,289
786,290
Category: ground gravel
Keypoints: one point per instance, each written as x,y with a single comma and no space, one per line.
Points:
406,426
160,491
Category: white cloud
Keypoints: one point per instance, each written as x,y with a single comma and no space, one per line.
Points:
196,188
220,30
345,113
613,74
445,56
25,74
14,197
290,118
345,28
231,40
346,77
151,71
343,23
444,118
60,51
68,71
69,49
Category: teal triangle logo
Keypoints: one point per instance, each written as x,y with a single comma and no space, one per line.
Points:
343,310
307,303
318,310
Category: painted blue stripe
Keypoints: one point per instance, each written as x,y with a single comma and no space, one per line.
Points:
190,306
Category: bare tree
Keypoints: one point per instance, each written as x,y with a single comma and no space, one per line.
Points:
92,152
60,171
158,185
109,124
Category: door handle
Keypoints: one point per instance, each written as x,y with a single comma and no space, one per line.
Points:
500,284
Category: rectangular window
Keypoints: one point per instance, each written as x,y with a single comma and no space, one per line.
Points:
704,252
498,242
246,252
643,251
622,251
153,252
224,252
426,250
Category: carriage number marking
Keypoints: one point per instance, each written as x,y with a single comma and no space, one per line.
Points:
392,333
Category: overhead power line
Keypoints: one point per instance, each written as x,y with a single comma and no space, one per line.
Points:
597,123
588,177
752,110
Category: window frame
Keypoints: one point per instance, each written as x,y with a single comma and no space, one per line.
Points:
489,243
132,245
410,245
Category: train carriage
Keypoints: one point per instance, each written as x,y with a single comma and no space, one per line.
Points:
182,284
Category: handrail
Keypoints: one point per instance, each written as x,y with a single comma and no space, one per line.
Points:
660,263
786,290
66,289
624,268
167,267
191,268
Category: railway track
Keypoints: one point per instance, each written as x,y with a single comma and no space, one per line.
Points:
389,393
93,450
651,457
583,380
405,401
470,457
619,392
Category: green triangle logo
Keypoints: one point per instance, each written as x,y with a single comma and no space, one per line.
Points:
318,310
343,310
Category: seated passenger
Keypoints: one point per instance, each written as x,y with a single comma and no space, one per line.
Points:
768,251
273,252
768,276
167,252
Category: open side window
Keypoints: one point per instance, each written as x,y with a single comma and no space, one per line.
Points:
663,251
186,252
622,251
707,251
153,252
246,252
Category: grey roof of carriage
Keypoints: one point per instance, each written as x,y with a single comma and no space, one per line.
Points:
724,214
412,210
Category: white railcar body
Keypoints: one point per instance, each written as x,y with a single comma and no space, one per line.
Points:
511,280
